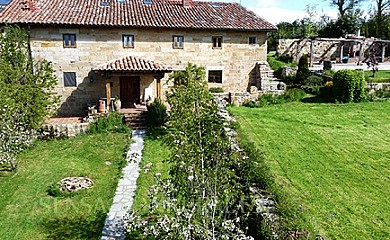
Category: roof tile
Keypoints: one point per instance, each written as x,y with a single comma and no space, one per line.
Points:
132,64
134,13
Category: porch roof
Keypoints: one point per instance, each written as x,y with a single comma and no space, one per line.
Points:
132,64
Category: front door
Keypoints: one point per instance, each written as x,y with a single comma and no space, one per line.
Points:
129,91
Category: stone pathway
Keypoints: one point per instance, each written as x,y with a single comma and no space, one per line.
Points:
113,229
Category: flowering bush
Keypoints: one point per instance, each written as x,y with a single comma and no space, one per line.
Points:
203,198
25,93
14,137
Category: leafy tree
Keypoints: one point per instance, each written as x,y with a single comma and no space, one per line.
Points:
25,92
203,195
345,6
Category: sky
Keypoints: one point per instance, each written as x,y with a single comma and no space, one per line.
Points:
276,11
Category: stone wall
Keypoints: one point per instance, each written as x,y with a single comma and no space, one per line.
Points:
96,46
323,50
62,130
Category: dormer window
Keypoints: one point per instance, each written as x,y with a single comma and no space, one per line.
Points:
69,40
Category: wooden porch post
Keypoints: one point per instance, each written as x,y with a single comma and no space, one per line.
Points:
159,87
341,51
108,93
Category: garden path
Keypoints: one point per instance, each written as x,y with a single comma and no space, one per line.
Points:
123,200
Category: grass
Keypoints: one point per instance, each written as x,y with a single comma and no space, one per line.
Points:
156,153
28,212
276,63
331,160
382,76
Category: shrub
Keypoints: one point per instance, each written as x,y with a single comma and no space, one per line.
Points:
303,72
112,122
349,86
326,91
157,114
216,90
379,95
294,95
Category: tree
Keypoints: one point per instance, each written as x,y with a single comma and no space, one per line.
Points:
381,18
345,6
204,193
25,92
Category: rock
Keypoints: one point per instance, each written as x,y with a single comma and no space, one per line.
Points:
72,184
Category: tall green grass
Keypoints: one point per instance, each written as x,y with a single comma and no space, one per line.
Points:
332,161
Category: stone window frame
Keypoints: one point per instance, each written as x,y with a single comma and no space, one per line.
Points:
67,40
215,76
176,43
252,40
217,42
130,39
70,79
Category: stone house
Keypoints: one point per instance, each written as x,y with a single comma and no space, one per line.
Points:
129,47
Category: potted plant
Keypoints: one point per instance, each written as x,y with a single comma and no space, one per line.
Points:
117,103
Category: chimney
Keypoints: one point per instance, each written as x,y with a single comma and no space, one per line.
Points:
186,3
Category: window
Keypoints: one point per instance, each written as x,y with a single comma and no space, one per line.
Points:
215,76
252,40
69,40
178,41
128,41
69,79
217,42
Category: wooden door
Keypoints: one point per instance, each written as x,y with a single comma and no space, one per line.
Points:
129,91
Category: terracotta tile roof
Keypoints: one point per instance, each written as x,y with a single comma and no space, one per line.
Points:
134,13
132,64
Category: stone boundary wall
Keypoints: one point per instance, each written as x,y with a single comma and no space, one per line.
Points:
378,86
241,98
323,49
62,130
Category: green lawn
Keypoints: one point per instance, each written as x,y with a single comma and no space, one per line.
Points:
28,212
156,153
381,76
332,160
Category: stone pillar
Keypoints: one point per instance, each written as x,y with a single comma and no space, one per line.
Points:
311,52
383,52
361,52
341,51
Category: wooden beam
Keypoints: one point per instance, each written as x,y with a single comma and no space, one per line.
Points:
108,93
159,87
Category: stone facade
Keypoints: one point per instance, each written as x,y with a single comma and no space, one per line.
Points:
95,46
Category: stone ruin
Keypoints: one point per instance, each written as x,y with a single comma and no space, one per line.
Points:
73,184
